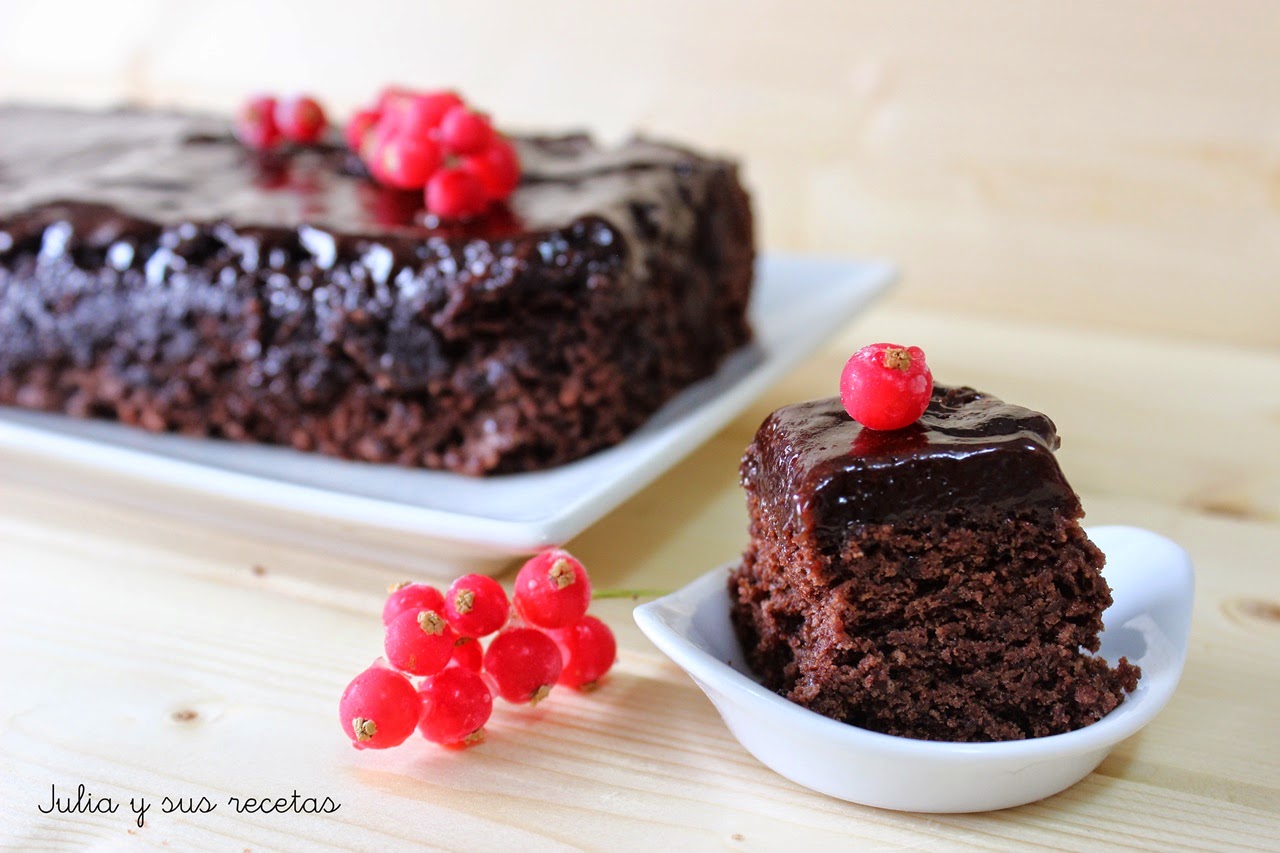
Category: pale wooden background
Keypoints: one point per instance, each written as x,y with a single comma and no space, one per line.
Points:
1105,163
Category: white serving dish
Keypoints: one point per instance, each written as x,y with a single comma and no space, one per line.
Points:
1152,585
431,521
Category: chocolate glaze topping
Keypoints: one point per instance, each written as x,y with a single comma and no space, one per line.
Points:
113,181
969,451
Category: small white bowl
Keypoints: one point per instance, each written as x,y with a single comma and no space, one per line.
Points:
1152,586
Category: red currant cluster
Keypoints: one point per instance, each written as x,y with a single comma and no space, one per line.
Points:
548,640
429,142
434,142
264,122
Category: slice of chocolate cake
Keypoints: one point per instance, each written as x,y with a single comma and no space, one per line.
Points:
154,271
930,582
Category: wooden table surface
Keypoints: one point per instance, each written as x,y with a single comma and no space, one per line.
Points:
147,657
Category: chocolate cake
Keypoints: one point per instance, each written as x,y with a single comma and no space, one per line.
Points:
931,582
154,271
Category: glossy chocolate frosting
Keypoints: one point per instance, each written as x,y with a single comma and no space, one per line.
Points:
115,180
970,451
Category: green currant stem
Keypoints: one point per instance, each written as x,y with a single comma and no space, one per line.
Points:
599,594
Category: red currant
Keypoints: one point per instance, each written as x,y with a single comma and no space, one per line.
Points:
379,708
395,98
406,161
552,590
375,140
301,119
497,167
886,386
454,193
423,113
415,596
255,123
455,706
371,147
359,125
419,642
464,132
468,653
589,650
476,605
524,664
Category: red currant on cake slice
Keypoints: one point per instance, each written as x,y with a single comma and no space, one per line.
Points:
886,386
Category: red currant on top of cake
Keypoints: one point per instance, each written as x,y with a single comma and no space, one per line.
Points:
416,287
926,576
886,386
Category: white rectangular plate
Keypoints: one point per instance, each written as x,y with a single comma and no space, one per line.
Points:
413,517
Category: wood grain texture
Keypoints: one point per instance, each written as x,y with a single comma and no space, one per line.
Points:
1114,164
147,656
175,673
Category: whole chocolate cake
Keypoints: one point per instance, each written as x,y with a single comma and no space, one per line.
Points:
930,582
154,271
